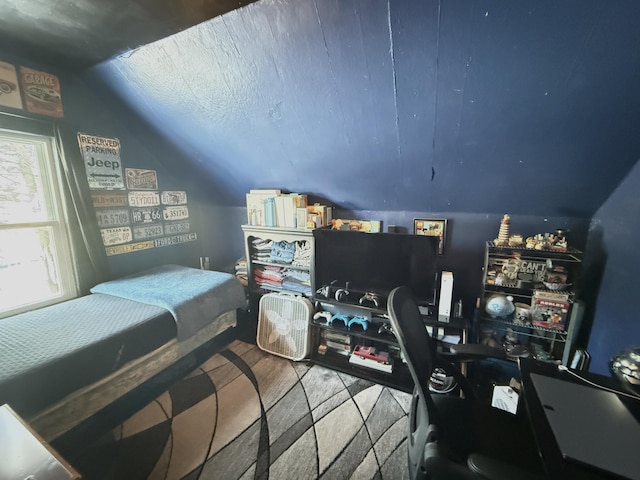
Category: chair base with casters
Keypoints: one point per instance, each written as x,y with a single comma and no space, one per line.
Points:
452,437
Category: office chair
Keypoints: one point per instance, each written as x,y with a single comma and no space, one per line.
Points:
452,437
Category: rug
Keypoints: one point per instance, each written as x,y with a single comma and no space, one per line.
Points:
246,414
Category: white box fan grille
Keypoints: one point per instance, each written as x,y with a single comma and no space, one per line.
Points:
283,325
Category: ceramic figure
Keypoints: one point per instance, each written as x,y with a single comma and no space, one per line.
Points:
499,306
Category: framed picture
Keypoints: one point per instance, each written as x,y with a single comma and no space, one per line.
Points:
432,227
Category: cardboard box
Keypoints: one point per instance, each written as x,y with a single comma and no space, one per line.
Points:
550,309
318,215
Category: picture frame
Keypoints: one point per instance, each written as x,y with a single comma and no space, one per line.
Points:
432,227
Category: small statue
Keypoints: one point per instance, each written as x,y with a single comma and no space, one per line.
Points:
503,233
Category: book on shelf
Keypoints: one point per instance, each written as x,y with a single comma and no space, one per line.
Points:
272,208
336,347
336,337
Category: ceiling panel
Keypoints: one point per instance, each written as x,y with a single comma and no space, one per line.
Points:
80,33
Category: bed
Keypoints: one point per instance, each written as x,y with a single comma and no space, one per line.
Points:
59,365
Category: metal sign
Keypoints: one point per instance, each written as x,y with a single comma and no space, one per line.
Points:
116,235
128,248
175,213
139,179
146,215
109,199
102,161
171,228
172,197
140,232
113,217
144,199
41,92
175,240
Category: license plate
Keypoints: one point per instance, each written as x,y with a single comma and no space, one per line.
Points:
174,240
138,179
176,227
115,236
128,248
174,197
113,217
109,199
140,232
146,215
175,213
144,199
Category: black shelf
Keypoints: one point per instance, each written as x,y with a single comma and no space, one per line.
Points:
371,335
569,255
367,311
560,335
399,379
523,272
522,292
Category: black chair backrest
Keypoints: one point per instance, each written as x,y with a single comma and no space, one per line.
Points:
417,346
420,354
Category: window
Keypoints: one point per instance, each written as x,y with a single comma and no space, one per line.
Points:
35,257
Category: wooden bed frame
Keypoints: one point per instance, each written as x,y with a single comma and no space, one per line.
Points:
82,404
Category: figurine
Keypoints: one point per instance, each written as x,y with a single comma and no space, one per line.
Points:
500,306
503,233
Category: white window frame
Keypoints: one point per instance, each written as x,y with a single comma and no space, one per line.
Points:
52,184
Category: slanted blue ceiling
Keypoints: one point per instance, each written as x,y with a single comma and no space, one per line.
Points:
528,107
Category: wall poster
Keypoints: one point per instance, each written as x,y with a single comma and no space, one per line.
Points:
432,227
9,91
102,162
41,92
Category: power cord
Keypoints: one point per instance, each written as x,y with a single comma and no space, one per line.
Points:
564,368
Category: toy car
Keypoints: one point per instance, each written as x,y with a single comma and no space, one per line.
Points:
371,354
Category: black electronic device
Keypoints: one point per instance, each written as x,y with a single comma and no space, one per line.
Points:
373,264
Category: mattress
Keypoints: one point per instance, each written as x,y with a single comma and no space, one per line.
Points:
46,354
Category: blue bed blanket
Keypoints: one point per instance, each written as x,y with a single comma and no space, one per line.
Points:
194,297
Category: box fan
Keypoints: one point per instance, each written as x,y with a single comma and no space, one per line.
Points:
283,325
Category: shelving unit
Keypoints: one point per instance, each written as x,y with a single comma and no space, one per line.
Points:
520,272
279,267
400,376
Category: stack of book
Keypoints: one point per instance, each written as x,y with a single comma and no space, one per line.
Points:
369,357
241,271
335,342
272,208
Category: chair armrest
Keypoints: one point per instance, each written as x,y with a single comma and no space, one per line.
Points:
475,351
497,470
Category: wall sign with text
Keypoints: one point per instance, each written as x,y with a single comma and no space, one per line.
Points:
102,162
131,212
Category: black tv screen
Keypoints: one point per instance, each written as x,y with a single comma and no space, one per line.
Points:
376,262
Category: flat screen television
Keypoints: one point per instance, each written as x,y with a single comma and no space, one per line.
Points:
376,262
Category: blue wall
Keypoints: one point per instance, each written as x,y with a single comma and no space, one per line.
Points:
451,106
613,245
394,110
88,112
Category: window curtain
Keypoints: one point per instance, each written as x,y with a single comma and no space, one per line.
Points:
90,259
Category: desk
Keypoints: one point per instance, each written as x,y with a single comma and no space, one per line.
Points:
557,467
25,455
